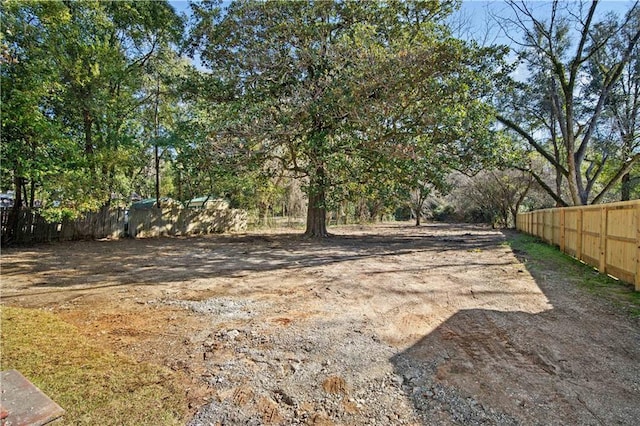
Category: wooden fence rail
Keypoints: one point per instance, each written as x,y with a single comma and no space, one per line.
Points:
606,236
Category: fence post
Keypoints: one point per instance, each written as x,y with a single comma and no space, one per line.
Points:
602,267
562,232
579,235
533,223
637,274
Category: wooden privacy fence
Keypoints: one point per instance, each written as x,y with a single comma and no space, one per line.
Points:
33,228
606,236
155,222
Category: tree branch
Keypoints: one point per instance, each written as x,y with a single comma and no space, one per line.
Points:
510,124
610,79
577,60
623,170
544,186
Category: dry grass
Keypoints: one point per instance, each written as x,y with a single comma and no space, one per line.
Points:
93,386
541,257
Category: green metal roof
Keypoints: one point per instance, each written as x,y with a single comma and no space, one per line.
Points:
200,201
146,203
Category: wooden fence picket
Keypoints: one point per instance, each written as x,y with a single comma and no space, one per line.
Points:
606,236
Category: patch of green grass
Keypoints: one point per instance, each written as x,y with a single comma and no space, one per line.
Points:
95,387
539,256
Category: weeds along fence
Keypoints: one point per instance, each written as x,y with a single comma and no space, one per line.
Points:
606,236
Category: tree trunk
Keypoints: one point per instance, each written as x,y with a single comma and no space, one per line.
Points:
88,139
559,186
626,187
156,126
25,195
418,219
263,213
14,214
576,196
317,212
157,167
316,217
32,194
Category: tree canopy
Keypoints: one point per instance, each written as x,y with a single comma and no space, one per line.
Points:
345,95
336,105
73,79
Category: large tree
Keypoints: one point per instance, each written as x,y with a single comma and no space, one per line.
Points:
72,82
108,54
621,112
34,151
341,94
560,111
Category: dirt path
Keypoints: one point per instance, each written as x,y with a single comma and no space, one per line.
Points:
387,324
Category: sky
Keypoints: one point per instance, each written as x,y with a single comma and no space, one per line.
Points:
478,16
478,13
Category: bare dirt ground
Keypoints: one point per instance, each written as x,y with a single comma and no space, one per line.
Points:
386,324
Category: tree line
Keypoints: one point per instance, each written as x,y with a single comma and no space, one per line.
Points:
345,104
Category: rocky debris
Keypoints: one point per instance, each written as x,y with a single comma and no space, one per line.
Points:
320,372
441,404
222,308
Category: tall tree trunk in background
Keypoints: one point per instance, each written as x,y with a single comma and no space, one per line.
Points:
88,138
601,51
13,222
32,194
317,211
157,164
25,195
626,187
156,123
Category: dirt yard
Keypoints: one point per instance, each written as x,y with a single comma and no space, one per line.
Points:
387,324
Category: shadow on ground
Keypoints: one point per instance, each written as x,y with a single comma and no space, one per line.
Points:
575,361
165,260
578,363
